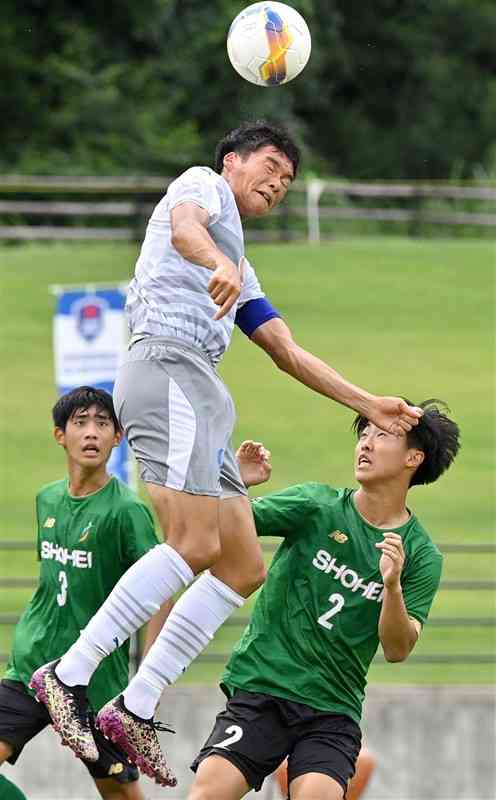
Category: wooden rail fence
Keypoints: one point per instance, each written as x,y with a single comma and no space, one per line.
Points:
69,208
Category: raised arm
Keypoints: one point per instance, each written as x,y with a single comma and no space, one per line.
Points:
190,237
398,631
391,414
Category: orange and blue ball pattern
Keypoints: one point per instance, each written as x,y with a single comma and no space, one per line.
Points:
279,39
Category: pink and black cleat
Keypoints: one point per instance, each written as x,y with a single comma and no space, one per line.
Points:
138,738
68,709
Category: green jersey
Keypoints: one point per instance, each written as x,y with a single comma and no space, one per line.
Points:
314,627
10,792
85,544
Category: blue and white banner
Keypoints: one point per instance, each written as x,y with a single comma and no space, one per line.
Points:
90,337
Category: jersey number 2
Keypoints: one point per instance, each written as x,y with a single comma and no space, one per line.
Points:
237,733
62,595
337,601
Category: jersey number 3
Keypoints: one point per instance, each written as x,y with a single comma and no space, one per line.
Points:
62,595
337,601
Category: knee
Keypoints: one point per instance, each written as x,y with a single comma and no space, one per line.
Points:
202,791
199,560
252,578
259,573
244,578
199,546
111,789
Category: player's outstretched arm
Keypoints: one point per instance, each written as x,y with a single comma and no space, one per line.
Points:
190,237
254,463
391,414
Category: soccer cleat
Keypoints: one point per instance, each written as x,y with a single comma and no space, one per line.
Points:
68,709
138,738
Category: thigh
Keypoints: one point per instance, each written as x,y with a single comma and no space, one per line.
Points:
251,735
364,769
328,746
177,416
110,789
190,523
241,564
315,786
218,779
21,718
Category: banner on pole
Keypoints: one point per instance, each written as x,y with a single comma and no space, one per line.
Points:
90,338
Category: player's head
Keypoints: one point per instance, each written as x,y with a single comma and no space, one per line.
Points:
259,161
86,426
421,455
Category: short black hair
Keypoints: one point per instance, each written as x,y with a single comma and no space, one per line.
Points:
251,136
81,399
436,435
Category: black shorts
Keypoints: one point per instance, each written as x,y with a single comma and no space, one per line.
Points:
257,731
22,718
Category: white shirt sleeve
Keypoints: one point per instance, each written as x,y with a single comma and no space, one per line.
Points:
197,185
251,289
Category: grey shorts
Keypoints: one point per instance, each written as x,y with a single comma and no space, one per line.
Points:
178,417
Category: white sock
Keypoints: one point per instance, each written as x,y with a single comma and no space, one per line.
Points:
191,625
135,598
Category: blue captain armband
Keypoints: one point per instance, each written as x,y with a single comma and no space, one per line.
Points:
254,313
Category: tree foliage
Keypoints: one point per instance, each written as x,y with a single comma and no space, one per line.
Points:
394,88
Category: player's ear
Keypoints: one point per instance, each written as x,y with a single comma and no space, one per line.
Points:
117,438
59,436
415,458
229,159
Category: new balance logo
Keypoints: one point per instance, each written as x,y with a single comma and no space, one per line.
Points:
116,769
49,522
339,537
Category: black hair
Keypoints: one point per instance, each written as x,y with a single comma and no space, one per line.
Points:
436,435
251,136
81,399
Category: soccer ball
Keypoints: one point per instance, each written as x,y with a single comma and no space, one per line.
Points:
269,43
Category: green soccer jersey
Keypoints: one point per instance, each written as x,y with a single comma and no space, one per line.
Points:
314,627
10,792
85,544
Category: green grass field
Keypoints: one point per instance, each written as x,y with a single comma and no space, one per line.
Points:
399,316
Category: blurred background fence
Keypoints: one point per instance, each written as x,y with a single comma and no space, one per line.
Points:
465,655
109,208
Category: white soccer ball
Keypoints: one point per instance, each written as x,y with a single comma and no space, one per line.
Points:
269,43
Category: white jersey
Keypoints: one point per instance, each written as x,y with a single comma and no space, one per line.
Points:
168,295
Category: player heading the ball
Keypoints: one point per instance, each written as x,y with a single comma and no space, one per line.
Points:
192,284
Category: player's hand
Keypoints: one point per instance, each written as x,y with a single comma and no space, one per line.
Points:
393,415
225,285
392,559
254,463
